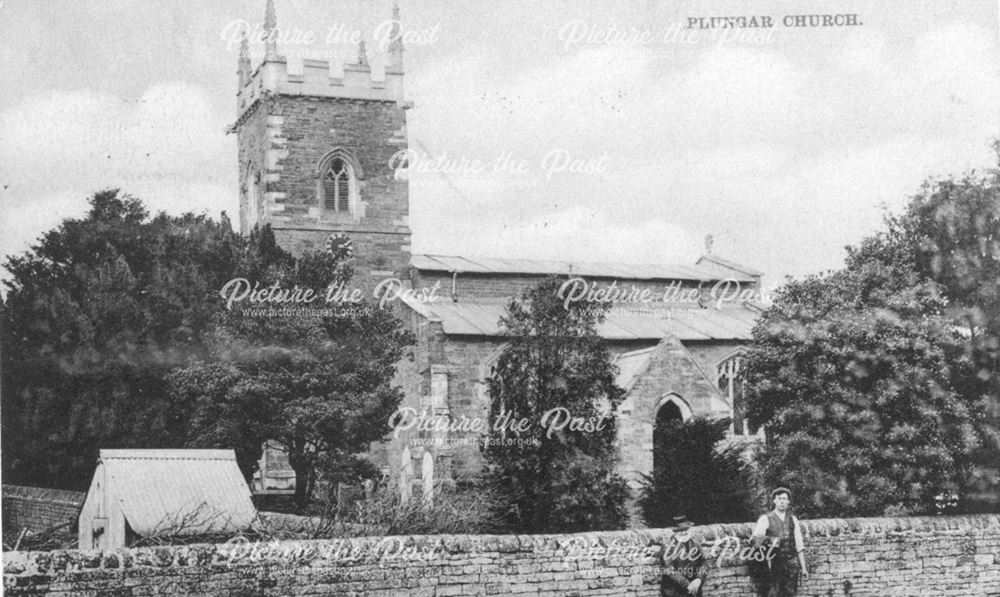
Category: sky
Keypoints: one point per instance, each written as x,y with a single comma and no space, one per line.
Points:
606,130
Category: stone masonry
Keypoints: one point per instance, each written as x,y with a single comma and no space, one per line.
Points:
287,124
877,557
291,127
38,509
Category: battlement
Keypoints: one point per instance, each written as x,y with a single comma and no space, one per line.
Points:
316,143
354,82
318,79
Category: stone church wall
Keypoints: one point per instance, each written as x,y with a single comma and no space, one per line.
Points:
708,355
38,509
372,132
286,137
252,144
465,362
671,370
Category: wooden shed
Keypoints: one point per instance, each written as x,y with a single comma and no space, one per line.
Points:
163,492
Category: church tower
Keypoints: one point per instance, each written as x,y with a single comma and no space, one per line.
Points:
316,154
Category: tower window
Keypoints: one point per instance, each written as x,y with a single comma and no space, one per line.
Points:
338,186
253,197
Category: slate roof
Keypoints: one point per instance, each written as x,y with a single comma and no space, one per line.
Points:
626,271
196,491
623,322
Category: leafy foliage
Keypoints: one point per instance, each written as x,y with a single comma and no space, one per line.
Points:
456,509
95,315
878,382
692,477
319,386
114,336
562,481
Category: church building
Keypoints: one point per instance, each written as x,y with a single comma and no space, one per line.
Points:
315,155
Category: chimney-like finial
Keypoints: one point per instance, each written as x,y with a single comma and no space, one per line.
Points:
244,61
396,39
270,31
709,241
362,54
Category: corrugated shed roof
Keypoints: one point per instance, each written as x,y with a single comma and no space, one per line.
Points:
623,322
182,492
627,271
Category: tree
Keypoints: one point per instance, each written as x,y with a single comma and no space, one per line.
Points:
95,315
318,385
953,230
559,470
692,477
877,383
114,336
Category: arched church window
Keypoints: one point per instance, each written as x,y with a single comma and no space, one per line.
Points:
338,186
338,175
731,383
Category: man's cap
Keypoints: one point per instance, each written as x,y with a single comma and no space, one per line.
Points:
780,491
681,523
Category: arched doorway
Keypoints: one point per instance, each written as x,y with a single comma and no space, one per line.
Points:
670,414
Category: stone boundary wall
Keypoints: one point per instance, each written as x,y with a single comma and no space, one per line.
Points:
38,508
877,557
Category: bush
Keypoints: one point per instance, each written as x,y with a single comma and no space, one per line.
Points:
464,508
468,510
562,480
699,475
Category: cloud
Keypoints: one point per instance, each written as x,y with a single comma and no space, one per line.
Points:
610,97
22,227
946,86
737,94
575,233
168,131
784,150
166,146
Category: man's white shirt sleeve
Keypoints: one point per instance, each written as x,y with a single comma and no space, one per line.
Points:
761,529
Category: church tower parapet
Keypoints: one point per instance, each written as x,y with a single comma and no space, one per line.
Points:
319,155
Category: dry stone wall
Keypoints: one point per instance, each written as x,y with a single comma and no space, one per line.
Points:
883,557
38,508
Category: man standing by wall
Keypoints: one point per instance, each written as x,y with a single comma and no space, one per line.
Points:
780,528
683,563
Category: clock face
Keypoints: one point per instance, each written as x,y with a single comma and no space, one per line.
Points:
340,245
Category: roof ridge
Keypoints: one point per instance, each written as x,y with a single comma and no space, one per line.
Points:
700,271
167,454
726,263
472,259
635,352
